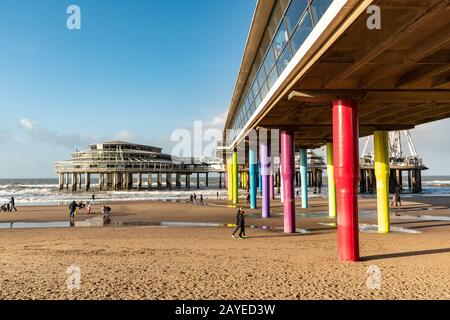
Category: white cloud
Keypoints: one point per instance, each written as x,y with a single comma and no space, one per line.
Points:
218,121
43,135
126,136
26,124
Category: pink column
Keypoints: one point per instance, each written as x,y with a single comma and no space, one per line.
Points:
287,171
346,172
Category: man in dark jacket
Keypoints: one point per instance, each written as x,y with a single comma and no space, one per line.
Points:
240,224
13,204
72,208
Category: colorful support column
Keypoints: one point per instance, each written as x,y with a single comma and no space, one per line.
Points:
382,171
331,183
230,178
235,178
287,172
346,172
265,177
304,177
253,167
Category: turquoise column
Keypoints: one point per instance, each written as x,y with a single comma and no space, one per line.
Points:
253,168
304,177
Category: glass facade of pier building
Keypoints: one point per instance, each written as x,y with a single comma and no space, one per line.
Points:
290,24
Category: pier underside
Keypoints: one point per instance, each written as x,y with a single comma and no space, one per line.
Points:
399,75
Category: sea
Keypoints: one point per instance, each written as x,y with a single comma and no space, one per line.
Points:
46,191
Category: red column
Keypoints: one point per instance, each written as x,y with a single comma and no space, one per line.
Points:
287,170
346,163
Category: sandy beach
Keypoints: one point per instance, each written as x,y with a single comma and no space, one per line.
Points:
133,259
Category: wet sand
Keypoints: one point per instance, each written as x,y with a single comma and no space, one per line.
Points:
147,262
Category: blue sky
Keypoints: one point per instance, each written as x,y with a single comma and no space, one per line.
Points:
137,70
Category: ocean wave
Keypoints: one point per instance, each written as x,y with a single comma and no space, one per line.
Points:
436,183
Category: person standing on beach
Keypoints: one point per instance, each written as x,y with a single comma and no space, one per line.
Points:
93,197
195,198
13,204
201,199
72,208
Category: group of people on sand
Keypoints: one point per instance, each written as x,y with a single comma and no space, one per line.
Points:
74,206
194,199
9,206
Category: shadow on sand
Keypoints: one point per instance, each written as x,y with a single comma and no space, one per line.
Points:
405,254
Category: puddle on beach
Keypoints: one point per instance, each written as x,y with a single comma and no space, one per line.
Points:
98,222
94,222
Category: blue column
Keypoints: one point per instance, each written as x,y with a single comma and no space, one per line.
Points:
265,174
253,168
304,177
259,177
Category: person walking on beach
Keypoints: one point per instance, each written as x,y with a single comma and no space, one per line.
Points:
396,199
248,198
106,212
13,204
201,199
240,224
217,195
195,198
72,208
93,197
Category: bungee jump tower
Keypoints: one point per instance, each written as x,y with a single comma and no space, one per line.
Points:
318,73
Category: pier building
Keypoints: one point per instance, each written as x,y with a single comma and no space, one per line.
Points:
120,165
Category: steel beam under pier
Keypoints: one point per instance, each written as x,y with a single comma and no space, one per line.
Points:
159,180
188,181
87,181
139,182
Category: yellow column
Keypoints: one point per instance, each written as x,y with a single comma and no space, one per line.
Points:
230,179
235,179
331,183
381,141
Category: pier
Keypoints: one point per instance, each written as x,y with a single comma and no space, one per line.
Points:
319,76
121,166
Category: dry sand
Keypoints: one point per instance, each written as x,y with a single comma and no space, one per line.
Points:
206,263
